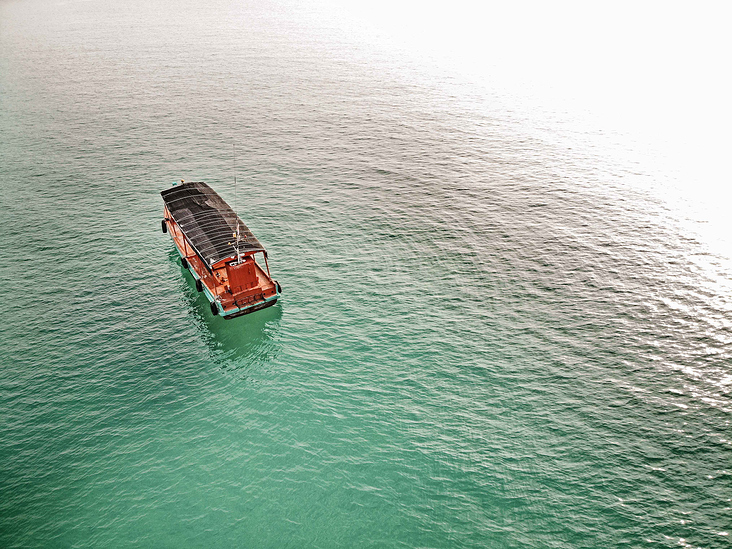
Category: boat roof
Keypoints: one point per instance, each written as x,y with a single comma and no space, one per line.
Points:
208,222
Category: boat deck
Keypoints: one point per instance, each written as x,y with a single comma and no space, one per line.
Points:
216,280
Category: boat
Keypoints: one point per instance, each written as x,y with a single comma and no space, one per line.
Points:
219,250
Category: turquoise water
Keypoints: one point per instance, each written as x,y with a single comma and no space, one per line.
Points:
486,338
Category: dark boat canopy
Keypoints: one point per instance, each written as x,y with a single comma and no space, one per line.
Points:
208,222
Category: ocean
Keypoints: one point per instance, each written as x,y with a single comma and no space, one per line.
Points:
502,324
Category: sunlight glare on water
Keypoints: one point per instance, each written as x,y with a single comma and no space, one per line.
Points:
643,81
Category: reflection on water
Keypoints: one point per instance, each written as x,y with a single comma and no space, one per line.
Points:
243,341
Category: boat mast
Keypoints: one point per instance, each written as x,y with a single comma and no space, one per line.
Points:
236,208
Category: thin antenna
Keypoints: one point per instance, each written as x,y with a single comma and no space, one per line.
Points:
236,208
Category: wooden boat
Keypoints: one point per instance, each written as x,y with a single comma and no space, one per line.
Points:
218,250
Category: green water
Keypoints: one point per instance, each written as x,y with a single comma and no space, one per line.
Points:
485,339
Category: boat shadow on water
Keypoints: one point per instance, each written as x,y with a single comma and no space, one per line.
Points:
241,342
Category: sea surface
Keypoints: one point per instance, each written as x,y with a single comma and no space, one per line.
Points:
496,330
